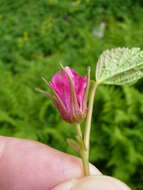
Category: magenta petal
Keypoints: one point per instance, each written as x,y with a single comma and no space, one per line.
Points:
60,84
80,85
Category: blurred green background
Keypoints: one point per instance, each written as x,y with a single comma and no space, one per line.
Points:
34,37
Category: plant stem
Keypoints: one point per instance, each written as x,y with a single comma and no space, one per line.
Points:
85,162
78,131
88,120
84,143
83,151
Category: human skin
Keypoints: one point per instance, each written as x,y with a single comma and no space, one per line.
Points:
30,165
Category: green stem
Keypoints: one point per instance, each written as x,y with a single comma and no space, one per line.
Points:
83,151
78,131
84,143
88,120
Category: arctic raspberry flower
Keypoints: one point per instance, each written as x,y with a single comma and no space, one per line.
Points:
70,94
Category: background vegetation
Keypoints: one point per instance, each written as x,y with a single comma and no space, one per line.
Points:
34,37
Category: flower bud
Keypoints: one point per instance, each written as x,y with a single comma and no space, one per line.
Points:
70,92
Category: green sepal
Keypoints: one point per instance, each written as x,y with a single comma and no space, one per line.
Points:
73,144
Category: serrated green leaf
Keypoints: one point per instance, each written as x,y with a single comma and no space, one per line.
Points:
120,66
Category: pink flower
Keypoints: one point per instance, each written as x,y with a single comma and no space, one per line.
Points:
70,94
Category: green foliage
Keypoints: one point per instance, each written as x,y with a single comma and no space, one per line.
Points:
34,38
120,131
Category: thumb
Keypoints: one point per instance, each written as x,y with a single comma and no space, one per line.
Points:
31,165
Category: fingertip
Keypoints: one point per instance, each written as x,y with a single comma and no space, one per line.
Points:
94,170
67,185
100,183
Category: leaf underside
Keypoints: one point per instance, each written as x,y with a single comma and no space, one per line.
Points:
120,66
